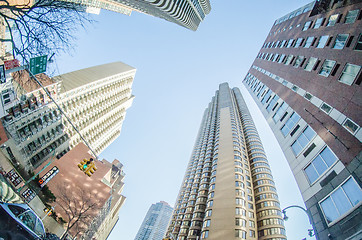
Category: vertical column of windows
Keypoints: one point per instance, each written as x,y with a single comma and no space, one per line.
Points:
265,196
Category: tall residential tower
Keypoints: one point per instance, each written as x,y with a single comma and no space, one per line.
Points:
96,100
186,13
228,190
306,80
155,224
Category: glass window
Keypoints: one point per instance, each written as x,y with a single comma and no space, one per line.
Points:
240,234
298,61
359,43
308,42
351,16
240,222
320,164
298,42
322,41
279,113
28,218
266,96
350,126
311,62
290,42
272,103
341,200
205,234
332,20
306,25
289,59
341,40
292,121
318,23
39,229
283,43
281,59
349,73
327,67
326,108
303,140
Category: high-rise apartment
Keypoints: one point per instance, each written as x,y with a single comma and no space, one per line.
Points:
228,190
306,81
96,99
155,223
94,6
33,127
185,13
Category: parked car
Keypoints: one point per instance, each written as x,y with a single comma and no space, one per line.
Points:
19,222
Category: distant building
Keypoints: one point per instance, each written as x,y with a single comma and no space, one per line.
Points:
155,223
228,191
96,100
306,80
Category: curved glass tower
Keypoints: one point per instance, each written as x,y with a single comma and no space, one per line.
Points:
228,190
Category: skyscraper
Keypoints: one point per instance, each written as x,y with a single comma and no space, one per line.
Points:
228,190
185,13
155,224
306,81
96,100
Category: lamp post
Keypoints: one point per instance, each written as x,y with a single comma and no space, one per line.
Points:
285,217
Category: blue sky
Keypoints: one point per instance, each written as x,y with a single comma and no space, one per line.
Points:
178,71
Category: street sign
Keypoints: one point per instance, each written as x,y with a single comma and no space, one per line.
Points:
49,175
28,194
14,177
38,64
2,74
9,64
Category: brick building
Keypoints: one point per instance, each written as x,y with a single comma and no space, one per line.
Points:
306,81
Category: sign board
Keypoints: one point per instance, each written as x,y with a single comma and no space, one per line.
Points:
28,194
14,177
2,74
38,64
9,64
49,175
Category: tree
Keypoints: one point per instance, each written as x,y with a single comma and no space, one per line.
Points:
78,208
43,27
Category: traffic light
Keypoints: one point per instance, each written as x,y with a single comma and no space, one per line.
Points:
90,169
48,211
83,164
87,166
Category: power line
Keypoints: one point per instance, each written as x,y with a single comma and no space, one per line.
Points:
61,110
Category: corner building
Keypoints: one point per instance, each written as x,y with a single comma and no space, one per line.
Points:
228,190
306,80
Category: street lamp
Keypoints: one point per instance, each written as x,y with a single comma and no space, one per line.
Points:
285,217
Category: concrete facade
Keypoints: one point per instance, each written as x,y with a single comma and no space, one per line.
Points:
228,190
96,99
306,81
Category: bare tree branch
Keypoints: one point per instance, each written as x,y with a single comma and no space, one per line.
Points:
78,207
44,28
